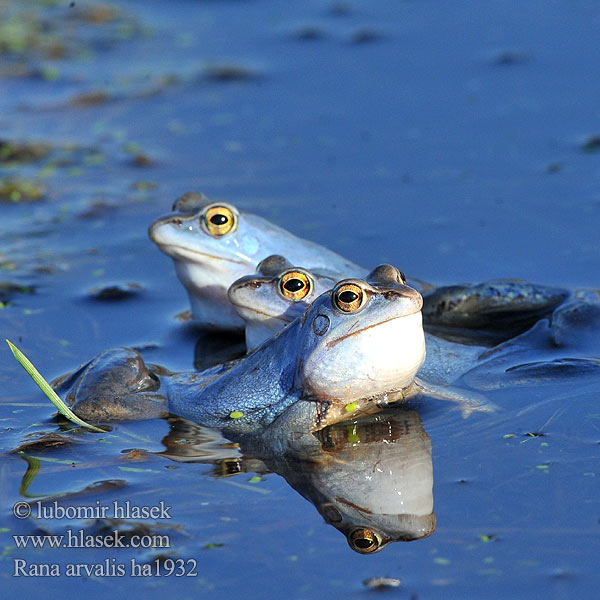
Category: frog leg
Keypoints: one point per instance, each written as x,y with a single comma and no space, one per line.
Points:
467,400
115,386
61,385
500,308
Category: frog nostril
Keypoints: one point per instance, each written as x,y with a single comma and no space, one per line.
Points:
177,221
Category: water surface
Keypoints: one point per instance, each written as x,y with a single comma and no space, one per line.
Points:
456,141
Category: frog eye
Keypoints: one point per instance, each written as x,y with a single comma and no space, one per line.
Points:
295,285
348,297
402,277
218,220
364,541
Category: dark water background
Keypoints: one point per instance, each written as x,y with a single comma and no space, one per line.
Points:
457,140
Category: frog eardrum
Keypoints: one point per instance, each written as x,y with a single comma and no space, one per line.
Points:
295,285
218,219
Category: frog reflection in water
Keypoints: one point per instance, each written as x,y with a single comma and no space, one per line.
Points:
213,245
371,479
356,346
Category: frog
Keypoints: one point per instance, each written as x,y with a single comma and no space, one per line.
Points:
274,296
356,348
279,292
267,306
214,244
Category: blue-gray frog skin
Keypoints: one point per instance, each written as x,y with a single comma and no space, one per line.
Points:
352,347
505,306
212,245
274,296
267,306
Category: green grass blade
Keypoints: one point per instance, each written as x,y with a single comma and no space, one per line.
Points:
33,468
62,408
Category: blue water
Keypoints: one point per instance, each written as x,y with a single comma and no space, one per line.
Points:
450,144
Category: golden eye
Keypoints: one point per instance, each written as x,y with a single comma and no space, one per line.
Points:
364,541
218,220
295,285
348,297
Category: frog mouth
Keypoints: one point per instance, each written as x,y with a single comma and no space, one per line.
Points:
162,236
259,312
183,252
372,326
